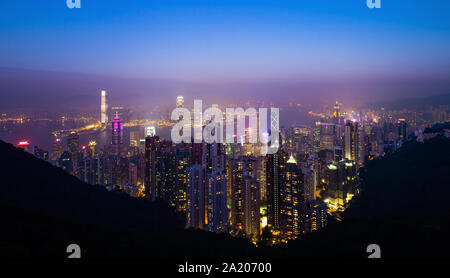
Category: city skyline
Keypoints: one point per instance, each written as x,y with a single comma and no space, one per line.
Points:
232,186
254,129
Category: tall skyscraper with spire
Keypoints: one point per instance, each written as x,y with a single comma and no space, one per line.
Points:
104,108
293,200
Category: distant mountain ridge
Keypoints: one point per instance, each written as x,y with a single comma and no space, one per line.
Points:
415,103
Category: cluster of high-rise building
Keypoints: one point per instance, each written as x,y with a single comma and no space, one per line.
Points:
231,187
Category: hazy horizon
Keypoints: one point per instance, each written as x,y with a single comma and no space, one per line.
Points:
37,90
148,52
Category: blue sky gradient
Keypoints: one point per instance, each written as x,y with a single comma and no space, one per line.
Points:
205,39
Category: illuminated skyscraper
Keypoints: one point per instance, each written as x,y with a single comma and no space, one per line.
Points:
351,139
311,176
340,183
166,168
363,146
339,122
92,148
116,134
134,139
195,198
57,149
133,173
402,129
73,143
327,135
150,167
104,108
293,201
317,213
274,167
337,114
316,140
217,202
183,162
261,177
251,193
241,167
95,172
338,153
213,157
196,153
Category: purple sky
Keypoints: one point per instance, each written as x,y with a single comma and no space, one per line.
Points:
147,52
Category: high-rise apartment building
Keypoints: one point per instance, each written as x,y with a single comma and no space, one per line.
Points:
217,211
195,198
251,193
340,183
73,143
317,216
293,201
150,167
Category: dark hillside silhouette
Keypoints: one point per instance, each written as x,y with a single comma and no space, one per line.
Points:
404,207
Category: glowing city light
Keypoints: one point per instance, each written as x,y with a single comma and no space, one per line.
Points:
24,143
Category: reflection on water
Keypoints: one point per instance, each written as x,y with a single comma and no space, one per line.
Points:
39,133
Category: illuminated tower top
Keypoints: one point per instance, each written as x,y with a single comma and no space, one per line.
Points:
337,113
292,160
150,131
